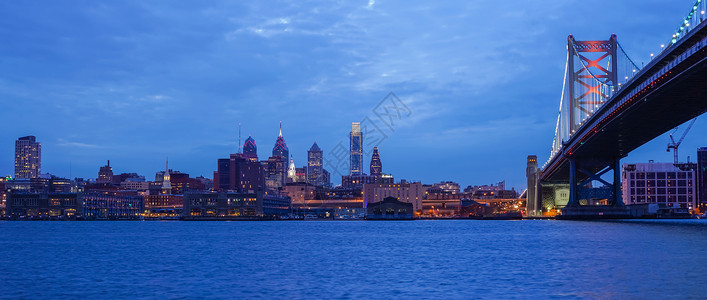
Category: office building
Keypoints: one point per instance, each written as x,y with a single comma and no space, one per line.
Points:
110,204
105,174
43,206
356,149
238,173
376,165
228,205
28,157
702,179
250,150
280,148
666,183
315,159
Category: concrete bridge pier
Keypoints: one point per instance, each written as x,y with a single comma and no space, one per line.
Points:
589,202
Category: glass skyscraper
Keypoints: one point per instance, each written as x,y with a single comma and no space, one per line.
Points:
356,146
28,157
314,166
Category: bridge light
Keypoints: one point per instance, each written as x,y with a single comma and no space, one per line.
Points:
661,46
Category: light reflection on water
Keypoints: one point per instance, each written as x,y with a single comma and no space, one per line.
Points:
355,259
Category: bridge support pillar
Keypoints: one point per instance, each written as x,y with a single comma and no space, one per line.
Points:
573,184
592,202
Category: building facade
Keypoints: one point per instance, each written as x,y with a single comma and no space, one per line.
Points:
356,150
702,179
112,205
315,166
28,157
405,192
250,150
376,165
105,174
531,175
226,205
43,205
646,183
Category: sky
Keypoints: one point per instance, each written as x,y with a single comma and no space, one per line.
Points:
477,83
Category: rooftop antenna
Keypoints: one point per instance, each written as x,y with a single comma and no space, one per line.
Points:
239,138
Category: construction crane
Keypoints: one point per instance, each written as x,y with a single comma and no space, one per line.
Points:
673,145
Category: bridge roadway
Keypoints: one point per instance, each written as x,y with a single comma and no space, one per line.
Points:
669,91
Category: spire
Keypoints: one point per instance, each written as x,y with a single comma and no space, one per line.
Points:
280,128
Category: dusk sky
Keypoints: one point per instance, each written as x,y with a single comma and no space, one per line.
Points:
135,82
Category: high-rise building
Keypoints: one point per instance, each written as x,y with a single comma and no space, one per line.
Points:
376,166
315,158
702,178
356,149
28,157
275,169
280,148
668,183
250,150
531,175
105,174
238,173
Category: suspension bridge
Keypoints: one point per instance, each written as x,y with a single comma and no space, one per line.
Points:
610,106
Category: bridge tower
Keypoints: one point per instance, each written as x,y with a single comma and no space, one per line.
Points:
592,80
592,76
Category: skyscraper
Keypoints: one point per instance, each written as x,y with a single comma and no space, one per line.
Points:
250,150
28,157
315,158
376,165
356,149
280,148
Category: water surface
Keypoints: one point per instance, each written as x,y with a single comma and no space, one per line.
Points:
354,259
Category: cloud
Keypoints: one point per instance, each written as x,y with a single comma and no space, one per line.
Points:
66,143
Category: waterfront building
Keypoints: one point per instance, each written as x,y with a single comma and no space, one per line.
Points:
390,208
646,183
250,150
111,204
403,191
702,179
315,170
531,175
28,157
376,165
105,174
20,205
356,149
228,205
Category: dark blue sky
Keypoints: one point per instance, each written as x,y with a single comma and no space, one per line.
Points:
137,81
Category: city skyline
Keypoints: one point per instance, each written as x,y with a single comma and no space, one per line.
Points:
88,108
